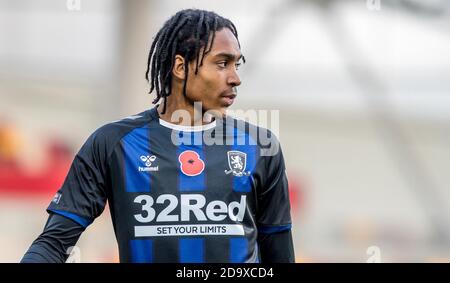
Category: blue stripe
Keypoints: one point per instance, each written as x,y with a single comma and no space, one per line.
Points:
243,142
80,220
238,250
273,229
141,251
136,144
191,141
192,250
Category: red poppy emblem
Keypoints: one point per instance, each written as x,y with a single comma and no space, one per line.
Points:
191,163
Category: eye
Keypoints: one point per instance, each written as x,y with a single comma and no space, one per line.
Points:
222,64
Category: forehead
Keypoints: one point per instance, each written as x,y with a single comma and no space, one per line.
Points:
225,42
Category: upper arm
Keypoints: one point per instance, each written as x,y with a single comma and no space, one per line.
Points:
82,197
273,197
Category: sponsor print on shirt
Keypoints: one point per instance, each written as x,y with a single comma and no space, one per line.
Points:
195,204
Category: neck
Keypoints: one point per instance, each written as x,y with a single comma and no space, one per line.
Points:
182,112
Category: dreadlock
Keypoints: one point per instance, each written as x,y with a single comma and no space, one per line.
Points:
185,34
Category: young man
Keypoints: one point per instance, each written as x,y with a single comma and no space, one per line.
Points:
199,189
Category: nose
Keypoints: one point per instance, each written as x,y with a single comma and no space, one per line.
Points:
233,79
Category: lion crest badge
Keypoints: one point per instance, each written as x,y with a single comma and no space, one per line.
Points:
237,162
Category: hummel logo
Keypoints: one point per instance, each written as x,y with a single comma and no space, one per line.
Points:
148,160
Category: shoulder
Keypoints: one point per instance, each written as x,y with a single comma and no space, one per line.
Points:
108,135
118,128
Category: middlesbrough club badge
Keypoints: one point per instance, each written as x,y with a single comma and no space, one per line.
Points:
237,161
190,163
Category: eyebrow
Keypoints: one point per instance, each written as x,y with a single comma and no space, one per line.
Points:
229,56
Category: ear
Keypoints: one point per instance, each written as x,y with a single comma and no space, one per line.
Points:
178,68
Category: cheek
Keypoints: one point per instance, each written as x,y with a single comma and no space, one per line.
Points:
203,87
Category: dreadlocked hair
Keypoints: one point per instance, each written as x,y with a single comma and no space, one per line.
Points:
185,34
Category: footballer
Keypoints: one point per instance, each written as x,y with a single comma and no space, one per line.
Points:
182,186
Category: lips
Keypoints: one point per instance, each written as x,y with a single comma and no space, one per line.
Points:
228,99
229,95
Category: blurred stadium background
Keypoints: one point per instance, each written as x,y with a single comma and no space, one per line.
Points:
363,90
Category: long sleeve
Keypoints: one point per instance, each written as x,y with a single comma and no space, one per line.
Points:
276,247
274,217
60,233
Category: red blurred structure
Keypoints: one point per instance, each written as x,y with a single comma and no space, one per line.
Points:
296,195
16,181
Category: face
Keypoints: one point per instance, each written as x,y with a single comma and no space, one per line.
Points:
216,81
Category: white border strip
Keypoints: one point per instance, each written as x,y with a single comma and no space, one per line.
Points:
187,128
